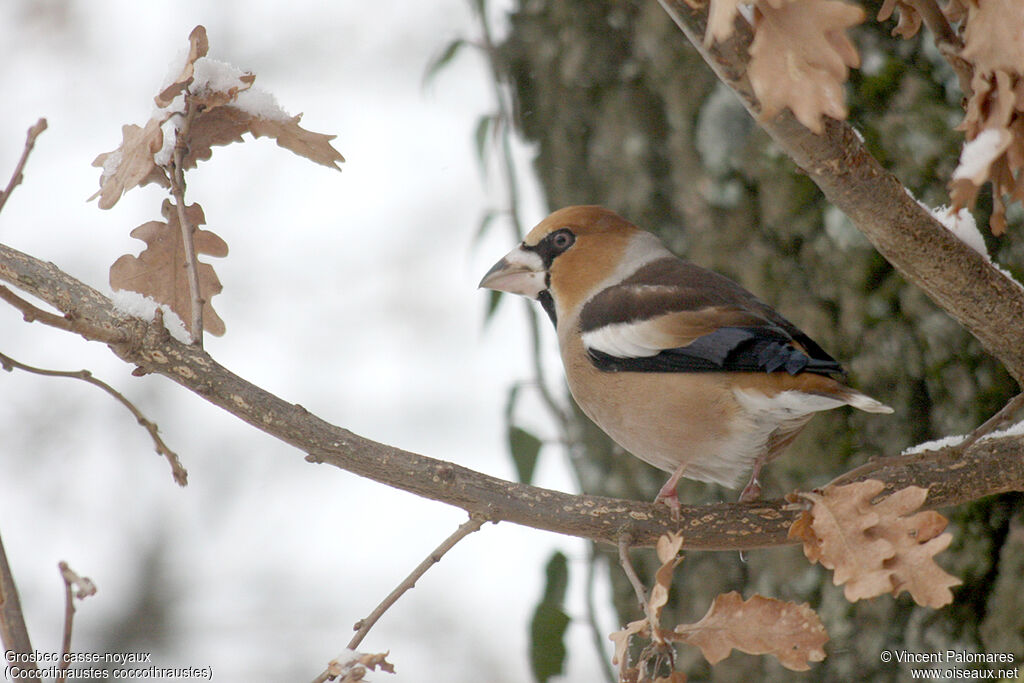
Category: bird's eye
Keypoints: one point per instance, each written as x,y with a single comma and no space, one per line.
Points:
562,239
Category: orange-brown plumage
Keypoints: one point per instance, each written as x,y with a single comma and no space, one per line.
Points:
681,366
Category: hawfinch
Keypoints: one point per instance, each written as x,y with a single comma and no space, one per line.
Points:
682,367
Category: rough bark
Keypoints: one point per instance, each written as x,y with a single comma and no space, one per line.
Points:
623,111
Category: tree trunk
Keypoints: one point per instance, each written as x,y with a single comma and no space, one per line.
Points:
625,113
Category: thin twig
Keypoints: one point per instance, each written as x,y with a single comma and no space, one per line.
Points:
75,586
17,176
177,469
625,543
598,637
990,425
504,122
363,626
13,632
187,229
31,313
946,40
995,422
991,466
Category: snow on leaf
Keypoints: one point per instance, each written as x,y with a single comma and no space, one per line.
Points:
131,164
351,666
220,103
159,271
877,548
995,52
977,155
198,46
800,57
790,632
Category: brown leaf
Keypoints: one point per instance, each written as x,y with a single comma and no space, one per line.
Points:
876,548
802,530
955,11
667,550
220,105
800,57
290,135
792,633
351,666
219,126
160,272
226,124
131,164
721,17
992,36
621,639
377,660
996,56
909,22
198,46
917,540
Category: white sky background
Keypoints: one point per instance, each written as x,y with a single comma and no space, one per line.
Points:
351,293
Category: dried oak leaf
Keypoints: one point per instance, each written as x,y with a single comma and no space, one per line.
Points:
226,124
131,164
667,549
790,632
352,666
996,107
876,548
800,57
198,46
992,37
160,272
640,627
293,137
220,104
721,17
910,19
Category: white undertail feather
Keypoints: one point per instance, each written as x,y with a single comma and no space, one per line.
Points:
866,403
762,416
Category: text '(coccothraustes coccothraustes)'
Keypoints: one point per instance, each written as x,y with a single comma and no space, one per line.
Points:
682,367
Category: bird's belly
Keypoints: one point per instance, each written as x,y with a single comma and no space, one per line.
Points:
696,419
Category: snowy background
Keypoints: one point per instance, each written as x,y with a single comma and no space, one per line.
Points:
351,293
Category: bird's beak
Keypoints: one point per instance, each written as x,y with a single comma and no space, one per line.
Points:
520,272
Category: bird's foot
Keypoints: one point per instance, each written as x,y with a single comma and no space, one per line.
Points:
671,499
752,491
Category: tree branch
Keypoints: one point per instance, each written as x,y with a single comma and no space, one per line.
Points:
954,276
13,632
75,586
16,177
177,176
989,466
178,470
363,626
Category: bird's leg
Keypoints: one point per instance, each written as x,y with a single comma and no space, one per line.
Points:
752,491
668,494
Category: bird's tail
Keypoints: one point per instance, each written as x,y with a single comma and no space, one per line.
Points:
866,403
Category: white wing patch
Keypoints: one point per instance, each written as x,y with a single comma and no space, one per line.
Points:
623,340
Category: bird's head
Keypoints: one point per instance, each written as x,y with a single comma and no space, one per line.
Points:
570,255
